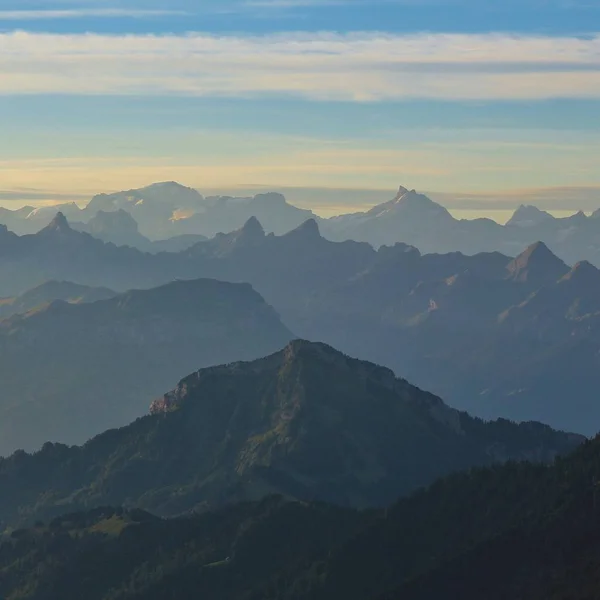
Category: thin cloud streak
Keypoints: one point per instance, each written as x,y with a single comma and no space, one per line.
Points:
82,13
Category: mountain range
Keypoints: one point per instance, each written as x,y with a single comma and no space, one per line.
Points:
72,370
494,335
306,422
160,212
415,219
168,210
279,468
121,229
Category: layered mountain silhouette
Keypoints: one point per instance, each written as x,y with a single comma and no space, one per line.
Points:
307,422
154,207
415,219
223,214
170,210
27,220
495,335
59,252
70,371
120,228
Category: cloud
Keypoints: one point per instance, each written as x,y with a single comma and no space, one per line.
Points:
80,13
318,66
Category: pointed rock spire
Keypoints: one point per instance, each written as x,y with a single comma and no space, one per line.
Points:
58,224
309,230
252,229
537,264
401,192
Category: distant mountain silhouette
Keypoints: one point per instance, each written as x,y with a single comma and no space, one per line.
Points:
49,292
58,252
29,220
529,216
72,370
415,219
225,214
307,422
153,207
170,210
391,222
120,228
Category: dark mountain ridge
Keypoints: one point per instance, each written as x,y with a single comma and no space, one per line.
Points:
307,422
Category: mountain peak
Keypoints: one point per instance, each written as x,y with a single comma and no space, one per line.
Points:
537,263
58,225
120,220
308,230
582,271
252,229
401,192
528,215
410,204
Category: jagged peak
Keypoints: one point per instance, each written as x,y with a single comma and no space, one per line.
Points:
536,251
577,217
410,201
582,271
253,228
527,215
308,230
59,224
411,196
536,256
402,191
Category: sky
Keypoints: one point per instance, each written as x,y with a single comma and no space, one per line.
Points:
481,104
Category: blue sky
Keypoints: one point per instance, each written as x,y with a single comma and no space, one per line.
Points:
475,99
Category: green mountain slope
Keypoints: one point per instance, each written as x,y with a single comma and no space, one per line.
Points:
517,531
307,422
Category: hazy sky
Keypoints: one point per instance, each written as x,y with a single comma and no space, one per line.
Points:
441,95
